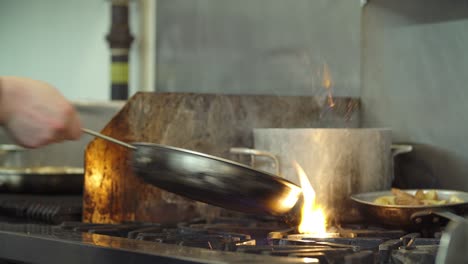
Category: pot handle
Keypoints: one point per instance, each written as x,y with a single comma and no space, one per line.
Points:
400,149
253,153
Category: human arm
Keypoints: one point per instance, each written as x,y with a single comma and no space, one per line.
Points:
35,113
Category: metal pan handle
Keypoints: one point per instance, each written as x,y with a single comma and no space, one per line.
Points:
253,153
110,139
398,149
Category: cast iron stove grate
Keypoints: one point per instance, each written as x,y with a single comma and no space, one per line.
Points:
50,209
347,245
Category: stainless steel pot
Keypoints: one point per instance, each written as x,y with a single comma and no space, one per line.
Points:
338,162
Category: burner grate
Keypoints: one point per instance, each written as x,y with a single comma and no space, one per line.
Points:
347,245
40,208
186,236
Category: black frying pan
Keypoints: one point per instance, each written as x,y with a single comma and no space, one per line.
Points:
210,179
411,217
42,180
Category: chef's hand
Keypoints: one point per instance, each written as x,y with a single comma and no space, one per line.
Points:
35,113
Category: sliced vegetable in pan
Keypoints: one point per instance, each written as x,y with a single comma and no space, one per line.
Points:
421,197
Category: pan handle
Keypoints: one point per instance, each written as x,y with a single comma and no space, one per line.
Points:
398,149
253,153
427,217
110,139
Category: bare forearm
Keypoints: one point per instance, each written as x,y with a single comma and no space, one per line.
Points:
35,113
2,88
8,95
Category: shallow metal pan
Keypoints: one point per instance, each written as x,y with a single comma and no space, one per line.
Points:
43,180
411,217
211,179
214,180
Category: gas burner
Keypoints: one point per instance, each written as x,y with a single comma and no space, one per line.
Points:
262,240
354,231
343,244
167,234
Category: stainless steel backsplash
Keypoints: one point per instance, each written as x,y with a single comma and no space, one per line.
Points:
414,81
272,47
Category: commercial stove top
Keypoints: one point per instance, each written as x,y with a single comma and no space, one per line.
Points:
30,232
76,242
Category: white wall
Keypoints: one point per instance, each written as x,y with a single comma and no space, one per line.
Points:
62,42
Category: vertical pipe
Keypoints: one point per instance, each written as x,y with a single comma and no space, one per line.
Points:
147,44
120,40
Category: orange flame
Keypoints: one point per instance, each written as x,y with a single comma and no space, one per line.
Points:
313,219
327,83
